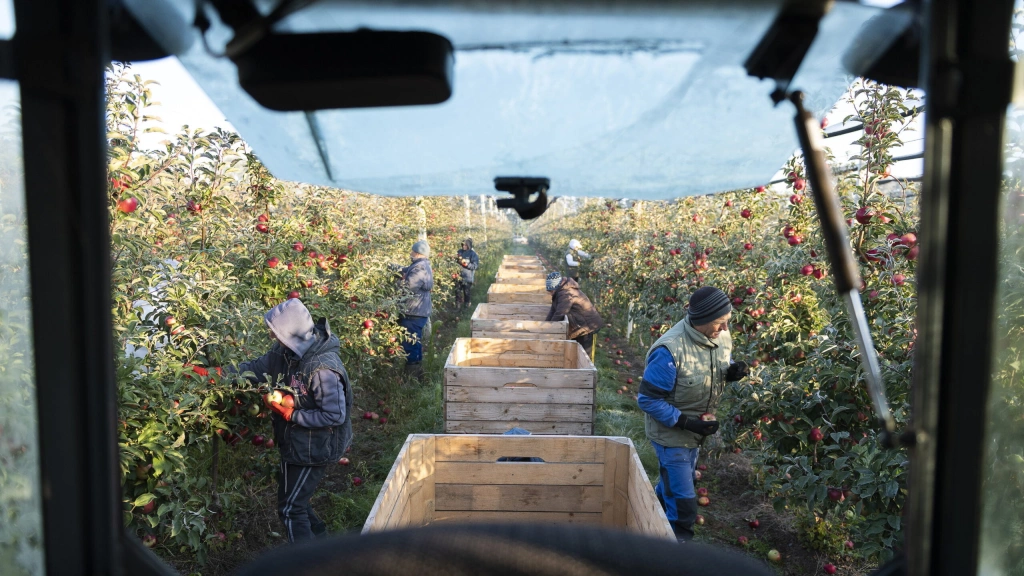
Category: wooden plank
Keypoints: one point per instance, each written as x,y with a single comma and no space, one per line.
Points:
519,498
519,394
557,518
516,325
400,510
393,485
518,335
496,345
534,473
540,282
616,481
420,481
510,311
539,377
516,297
500,427
506,411
459,448
649,516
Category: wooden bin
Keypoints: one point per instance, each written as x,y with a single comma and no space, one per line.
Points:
500,293
509,273
517,321
524,267
494,384
456,478
519,259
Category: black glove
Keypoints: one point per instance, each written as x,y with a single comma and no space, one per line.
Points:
695,424
736,371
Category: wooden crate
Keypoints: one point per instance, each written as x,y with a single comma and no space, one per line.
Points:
524,267
507,273
494,384
534,282
519,259
517,321
518,294
457,478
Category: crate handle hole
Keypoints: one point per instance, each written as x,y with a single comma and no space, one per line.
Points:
519,459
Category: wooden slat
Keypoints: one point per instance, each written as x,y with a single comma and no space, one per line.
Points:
506,411
519,498
649,516
519,394
500,427
515,288
393,485
509,311
518,335
513,360
516,297
458,448
421,480
528,326
495,345
585,518
533,473
539,377
400,510
616,482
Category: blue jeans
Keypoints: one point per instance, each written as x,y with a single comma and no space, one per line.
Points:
676,483
413,345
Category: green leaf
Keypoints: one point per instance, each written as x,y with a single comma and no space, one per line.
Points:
144,499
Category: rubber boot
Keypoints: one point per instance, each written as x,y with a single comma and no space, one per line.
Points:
686,512
414,372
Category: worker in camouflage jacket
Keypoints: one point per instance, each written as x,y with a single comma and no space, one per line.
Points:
569,301
684,378
311,410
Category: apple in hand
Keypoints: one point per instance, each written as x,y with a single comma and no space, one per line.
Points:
708,417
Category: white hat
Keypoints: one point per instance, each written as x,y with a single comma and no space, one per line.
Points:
574,244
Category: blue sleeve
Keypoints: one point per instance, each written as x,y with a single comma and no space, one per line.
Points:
474,260
328,393
260,366
658,382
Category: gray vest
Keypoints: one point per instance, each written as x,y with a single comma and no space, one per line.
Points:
700,380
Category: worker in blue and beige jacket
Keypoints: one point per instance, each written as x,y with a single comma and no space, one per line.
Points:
684,378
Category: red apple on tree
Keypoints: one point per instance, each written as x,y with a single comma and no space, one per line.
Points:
128,205
746,213
273,262
816,435
263,218
293,294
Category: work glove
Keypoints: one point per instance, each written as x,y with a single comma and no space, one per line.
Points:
695,424
736,371
279,397
284,411
204,372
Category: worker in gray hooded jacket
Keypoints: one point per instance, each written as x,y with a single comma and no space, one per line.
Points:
418,279
311,409
468,259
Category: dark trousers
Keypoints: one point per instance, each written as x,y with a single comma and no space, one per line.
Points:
413,343
295,486
462,289
587,341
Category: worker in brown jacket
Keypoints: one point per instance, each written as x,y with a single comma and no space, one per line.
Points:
568,300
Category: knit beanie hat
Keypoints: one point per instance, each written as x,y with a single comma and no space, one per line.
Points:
706,304
421,247
552,281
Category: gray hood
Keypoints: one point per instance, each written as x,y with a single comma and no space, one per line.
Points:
291,323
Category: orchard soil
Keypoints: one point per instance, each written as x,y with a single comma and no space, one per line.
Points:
411,407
